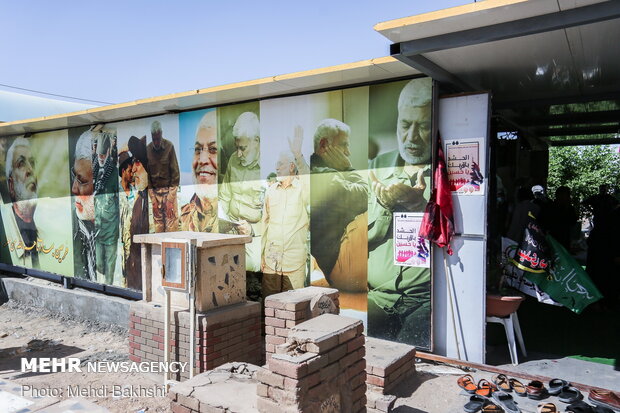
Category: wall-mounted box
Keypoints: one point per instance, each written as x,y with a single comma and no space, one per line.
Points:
220,268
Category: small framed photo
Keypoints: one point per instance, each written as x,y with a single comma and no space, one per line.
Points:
173,260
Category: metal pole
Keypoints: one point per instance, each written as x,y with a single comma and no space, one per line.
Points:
449,285
166,338
192,332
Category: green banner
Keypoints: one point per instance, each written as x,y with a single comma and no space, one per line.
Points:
566,282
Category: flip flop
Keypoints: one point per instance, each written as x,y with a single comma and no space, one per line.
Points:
466,383
475,403
547,408
492,408
506,401
556,385
501,381
485,388
580,407
536,390
569,394
518,387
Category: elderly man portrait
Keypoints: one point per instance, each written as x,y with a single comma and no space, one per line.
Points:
82,188
163,180
105,178
200,213
339,196
242,191
399,297
18,217
286,223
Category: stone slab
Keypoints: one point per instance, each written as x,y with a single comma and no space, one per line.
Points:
299,295
384,356
231,386
323,329
202,239
76,303
238,311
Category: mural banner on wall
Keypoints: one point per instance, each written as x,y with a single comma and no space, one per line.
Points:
399,297
241,191
315,180
199,149
36,203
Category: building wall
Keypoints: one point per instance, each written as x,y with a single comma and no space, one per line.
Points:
65,213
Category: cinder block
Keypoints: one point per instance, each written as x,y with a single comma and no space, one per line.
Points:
288,369
177,408
275,322
272,379
188,402
261,390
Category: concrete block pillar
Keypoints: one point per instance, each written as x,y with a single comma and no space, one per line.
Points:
286,310
320,368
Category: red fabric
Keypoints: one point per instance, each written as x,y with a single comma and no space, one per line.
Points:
438,221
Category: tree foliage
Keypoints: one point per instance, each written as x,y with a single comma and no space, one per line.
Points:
583,169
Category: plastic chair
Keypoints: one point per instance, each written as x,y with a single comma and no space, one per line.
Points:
512,327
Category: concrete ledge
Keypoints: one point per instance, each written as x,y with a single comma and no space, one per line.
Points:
80,304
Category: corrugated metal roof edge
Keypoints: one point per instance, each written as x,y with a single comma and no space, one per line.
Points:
7,128
444,14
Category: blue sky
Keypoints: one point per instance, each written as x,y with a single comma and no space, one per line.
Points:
118,51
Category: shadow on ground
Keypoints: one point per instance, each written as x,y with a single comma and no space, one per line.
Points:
407,409
553,332
11,358
409,386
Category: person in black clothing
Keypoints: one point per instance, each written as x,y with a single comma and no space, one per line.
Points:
562,216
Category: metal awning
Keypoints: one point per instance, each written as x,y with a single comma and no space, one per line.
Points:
535,56
366,71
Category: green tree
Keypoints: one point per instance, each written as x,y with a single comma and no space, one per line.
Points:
583,169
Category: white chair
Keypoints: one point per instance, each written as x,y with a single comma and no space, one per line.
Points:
511,325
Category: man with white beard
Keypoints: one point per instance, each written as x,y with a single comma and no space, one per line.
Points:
399,297
242,191
200,213
82,187
18,217
286,222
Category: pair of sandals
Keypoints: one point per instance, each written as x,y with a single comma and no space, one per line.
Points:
536,389
484,388
564,391
505,384
576,407
499,402
583,407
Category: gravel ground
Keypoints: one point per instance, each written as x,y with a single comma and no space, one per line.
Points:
33,332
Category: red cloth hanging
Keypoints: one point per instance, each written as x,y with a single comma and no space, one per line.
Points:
438,221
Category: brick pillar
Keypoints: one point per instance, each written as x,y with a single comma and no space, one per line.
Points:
321,367
225,334
285,310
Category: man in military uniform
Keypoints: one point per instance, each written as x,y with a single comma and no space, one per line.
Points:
399,297
163,180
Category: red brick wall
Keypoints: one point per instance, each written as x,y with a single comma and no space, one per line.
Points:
232,333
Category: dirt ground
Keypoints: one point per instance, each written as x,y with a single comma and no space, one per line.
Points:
31,332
